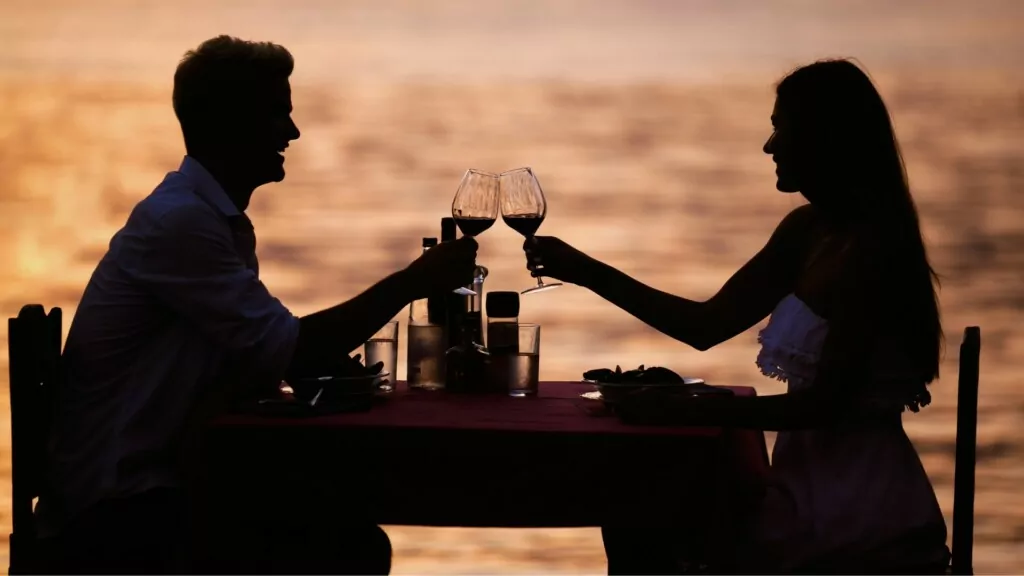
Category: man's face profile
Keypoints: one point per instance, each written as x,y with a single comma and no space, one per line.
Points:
258,127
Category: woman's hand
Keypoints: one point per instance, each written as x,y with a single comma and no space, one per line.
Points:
655,407
552,258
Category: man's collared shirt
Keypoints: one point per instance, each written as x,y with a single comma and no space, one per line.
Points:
175,297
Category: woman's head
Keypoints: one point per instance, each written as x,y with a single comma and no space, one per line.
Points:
833,139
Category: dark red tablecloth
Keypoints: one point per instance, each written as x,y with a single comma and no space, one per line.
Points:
438,459
558,408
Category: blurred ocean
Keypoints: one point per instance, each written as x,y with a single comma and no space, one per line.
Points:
644,121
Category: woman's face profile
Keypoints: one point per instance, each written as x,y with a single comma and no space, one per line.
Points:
781,147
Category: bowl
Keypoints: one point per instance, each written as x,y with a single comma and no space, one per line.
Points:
327,389
614,392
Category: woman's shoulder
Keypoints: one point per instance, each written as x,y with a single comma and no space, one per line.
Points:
803,218
796,230
800,235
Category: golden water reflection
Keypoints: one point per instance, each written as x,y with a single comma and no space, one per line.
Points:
663,178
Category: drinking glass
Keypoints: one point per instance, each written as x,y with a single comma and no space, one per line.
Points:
475,207
383,347
425,353
523,208
523,367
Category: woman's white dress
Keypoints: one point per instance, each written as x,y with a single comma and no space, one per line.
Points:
854,490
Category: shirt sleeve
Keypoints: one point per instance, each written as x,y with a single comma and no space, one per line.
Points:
188,261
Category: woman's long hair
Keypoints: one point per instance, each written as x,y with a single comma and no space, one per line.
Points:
844,129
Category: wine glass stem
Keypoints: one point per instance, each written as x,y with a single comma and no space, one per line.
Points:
540,280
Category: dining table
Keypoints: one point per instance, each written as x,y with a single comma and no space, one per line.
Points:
434,458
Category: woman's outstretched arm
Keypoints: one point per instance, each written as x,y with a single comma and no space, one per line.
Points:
746,299
842,378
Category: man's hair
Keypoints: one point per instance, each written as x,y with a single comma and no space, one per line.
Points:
221,75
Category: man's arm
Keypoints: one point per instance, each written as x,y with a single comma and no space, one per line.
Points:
328,334
325,337
188,261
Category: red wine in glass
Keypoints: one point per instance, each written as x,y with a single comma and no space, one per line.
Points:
523,208
473,225
525,224
475,207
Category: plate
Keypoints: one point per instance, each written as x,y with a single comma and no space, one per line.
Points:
336,388
294,407
613,392
328,379
685,382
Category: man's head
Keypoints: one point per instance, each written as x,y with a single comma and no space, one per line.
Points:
233,100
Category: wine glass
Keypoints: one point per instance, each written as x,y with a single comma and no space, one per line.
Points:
475,207
523,208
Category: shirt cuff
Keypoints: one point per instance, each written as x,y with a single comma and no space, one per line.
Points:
278,350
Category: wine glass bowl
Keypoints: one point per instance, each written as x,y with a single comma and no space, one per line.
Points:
475,207
523,208
525,224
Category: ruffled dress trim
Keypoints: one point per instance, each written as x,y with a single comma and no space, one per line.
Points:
791,343
791,347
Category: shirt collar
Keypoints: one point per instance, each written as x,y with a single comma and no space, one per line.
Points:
207,187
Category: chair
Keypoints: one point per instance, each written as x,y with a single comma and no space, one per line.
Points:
34,345
962,555
966,448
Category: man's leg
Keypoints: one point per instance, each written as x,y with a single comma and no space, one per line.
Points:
136,535
321,548
297,538
645,550
329,533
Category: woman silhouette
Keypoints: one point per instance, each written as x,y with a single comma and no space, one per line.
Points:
854,331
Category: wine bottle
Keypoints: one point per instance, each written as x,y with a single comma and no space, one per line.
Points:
453,310
435,302
425,359
454,304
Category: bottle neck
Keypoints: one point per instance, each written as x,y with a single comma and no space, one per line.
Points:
419,311
472,328
475,303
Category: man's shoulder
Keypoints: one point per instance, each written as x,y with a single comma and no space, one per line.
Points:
170,206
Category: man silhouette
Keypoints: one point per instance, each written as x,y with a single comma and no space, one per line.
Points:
175,311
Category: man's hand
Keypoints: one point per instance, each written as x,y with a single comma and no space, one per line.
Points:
340,329
550,257
444,267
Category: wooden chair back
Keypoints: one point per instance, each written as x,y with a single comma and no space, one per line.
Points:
966,452
34,346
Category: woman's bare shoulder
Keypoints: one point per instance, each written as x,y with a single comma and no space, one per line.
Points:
801,219
795,231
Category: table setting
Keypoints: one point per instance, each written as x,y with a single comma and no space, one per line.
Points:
456,345
472,436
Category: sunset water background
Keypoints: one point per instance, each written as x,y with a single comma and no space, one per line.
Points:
644,121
